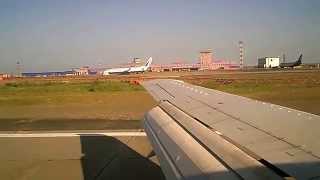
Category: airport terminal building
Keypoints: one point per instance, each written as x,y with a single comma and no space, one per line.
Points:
206,62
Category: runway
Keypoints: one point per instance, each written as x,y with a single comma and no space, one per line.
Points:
282,138
70,134
77,155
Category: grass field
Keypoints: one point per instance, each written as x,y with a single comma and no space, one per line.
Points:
48,103
299,90
106,103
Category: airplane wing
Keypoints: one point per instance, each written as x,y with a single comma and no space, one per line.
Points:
200,133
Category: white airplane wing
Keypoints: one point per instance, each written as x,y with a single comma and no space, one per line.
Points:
200,133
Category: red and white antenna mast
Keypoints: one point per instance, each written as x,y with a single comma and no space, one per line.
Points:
241,54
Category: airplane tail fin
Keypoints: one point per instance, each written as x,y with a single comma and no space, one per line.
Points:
300,58
148,63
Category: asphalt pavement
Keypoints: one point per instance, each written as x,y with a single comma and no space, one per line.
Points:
77,155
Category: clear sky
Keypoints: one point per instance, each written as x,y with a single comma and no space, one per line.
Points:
61,34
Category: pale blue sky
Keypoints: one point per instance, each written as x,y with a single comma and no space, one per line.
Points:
61,34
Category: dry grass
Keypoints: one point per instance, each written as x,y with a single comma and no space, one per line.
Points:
299,90
42,103
24,101
98,105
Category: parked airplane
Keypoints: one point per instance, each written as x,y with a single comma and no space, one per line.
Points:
128,70
292,64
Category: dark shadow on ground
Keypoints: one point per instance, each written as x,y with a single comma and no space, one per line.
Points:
19,124
107,157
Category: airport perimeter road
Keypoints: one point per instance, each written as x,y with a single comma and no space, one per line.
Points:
74,156
282,139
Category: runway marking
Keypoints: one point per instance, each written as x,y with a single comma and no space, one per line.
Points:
180,81
29,135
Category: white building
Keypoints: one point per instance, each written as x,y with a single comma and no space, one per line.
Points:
268,62
83,71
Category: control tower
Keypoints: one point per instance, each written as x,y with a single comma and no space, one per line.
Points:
206,58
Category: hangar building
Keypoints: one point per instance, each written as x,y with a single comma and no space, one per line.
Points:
268,62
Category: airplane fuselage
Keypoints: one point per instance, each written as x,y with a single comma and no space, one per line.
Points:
128,70
292,64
